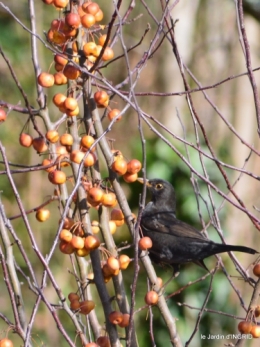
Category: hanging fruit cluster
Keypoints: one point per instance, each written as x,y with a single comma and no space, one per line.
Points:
63,34
70,149
79,41
250,326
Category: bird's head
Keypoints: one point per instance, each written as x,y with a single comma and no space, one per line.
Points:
163,194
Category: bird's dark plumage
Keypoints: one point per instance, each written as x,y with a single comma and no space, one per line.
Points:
175,242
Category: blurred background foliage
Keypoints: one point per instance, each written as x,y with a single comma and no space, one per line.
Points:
208,40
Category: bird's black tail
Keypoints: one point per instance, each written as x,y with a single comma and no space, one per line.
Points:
230,248
215,248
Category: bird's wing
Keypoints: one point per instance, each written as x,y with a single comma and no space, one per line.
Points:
167,223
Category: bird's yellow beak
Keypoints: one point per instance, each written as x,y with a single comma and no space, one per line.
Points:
141,180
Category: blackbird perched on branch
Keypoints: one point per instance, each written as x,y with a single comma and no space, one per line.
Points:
175,242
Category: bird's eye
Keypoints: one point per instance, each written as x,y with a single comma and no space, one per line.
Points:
159,186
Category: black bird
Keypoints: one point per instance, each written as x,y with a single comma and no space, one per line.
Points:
175,242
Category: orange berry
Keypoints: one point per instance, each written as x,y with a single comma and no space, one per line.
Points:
70,104
66,140
59,99
125,321
82,252
39,144
73,296
115,317
99,15
145,243
60,3
109,199
87,141
256,270
25,140
124,261
61,59
101,98
91,7
60,78
102,40
244,327
45,79
88,20
113,114
6,343
108,54
42,214
48,162
255,331
72,20
77,242
134,166
129,177
90,160
75,305
71,72
3,115
119,166
89,48
91,242
113,265
151,298
52,136
66,247
86,306
95,194
103,341
65,235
